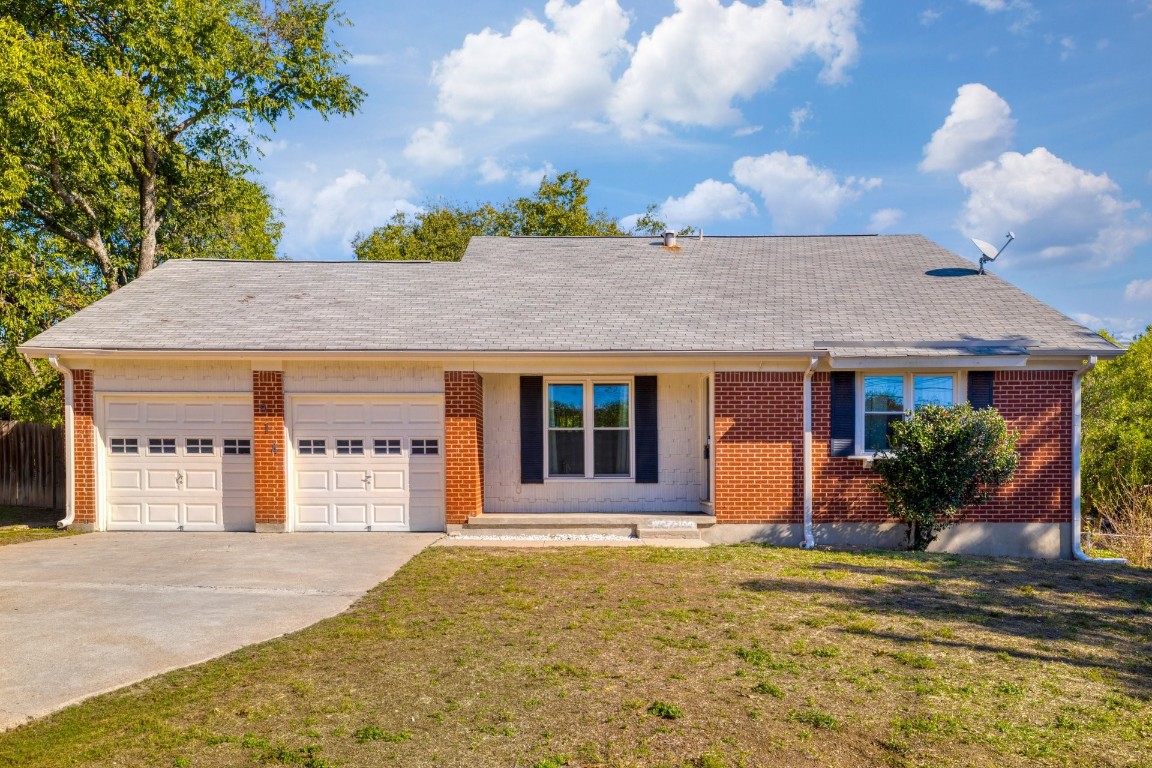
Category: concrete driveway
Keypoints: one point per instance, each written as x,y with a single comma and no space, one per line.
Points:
86,614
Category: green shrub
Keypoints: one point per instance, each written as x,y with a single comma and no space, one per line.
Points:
941,460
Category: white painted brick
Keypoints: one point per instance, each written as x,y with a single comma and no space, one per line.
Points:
332,376
172,376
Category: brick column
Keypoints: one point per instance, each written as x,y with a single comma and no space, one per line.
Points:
83,467
268,451
463,445
759,447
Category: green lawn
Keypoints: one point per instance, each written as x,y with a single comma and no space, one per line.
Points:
728,656
20,524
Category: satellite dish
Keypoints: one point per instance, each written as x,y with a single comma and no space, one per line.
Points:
989,251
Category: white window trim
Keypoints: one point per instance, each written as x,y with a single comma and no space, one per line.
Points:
959,395
589,429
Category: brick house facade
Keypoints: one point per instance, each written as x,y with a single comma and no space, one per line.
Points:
682,393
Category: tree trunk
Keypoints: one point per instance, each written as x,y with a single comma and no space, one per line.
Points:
149,223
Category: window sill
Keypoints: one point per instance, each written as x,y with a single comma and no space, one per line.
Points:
589,480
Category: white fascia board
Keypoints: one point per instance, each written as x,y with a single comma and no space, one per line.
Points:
936,361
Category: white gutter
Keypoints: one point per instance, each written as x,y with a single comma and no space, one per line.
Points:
1077,551
809,539
69,446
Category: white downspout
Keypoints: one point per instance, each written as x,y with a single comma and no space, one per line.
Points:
1077,429
69,447
809,539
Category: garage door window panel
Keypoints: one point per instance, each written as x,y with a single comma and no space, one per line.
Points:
386,447
425,447
162,446
237,447
312,447
199,446
349,447
125,445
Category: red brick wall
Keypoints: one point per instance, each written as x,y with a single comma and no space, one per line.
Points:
84,447
1037,404
758,437
268,447
463,445
841,488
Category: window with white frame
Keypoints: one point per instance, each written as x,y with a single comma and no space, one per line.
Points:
589,429
889,397
425,447
351,447
197,446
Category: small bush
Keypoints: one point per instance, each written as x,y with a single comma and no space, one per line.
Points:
1125,522
665,710
941,460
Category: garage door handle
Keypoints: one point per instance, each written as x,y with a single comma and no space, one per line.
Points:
367,479
179,478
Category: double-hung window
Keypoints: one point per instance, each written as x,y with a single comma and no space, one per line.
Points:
888,398
589,429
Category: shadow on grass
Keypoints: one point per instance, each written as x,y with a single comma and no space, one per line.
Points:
1031,602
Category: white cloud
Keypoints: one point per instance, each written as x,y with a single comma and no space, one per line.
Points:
318,211
928,17
1067,48
1059,211
747,130
800,197
799,116
1023,11
696,62
432,149
884,219
537,69
368,60
491,171
531,177
1124,329
978,128
1138,290
709,201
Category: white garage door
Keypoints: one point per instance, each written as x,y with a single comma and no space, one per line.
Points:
178,464
368,464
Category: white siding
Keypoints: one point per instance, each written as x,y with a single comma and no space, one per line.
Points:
679,489
368,377
172,376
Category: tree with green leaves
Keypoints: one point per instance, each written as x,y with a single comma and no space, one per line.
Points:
441,233
1117,423
125,132
940,461
125,125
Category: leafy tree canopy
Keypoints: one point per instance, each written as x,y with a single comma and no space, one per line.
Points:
1117,412
125,131
941,460
441,233
125,124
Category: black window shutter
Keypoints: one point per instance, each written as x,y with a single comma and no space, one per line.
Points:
843,441
531,429
980,389
647,443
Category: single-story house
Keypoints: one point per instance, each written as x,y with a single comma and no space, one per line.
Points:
734,386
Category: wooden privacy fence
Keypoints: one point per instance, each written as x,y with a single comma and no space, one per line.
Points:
31,465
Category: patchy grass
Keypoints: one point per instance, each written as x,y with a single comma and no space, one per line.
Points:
721,657
21,524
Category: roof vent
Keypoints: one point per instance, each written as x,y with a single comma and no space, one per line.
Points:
669,239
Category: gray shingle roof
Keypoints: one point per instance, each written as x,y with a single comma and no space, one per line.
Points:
886,295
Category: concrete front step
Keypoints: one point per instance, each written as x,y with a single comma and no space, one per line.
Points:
644,527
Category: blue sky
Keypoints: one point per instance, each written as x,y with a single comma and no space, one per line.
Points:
948,118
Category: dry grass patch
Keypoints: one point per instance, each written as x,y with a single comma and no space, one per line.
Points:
729,656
